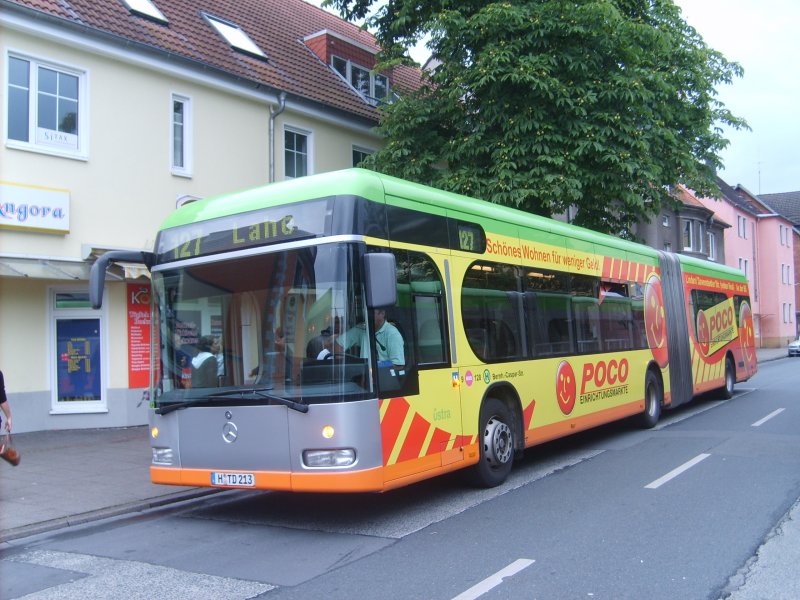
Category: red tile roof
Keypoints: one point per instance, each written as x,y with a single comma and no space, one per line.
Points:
276,26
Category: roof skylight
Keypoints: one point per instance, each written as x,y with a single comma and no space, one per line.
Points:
235,36
146,8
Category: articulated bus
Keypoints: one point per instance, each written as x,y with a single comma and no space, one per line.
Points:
268,372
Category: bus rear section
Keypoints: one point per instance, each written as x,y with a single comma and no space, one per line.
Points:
709,327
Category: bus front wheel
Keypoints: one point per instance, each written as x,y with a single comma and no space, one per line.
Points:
496,438
653,397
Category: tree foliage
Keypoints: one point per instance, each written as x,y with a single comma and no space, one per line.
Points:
545,104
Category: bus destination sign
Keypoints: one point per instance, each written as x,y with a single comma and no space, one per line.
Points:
257,228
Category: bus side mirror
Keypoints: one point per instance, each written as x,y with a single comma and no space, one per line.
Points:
381,281
97,276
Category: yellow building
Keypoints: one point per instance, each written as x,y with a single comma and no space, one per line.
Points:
114,113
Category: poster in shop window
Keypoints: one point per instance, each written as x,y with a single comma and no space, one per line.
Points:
78,371
138,335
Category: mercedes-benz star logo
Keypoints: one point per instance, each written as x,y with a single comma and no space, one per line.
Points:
230,432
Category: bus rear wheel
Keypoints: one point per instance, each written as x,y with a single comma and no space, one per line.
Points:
496,438
653,398
726,391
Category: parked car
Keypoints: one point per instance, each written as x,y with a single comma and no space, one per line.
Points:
794,348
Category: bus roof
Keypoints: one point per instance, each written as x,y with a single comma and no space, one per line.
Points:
381,188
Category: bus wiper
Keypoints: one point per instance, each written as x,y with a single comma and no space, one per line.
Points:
260,392
168,408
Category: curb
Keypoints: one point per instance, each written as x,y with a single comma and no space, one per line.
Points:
103,513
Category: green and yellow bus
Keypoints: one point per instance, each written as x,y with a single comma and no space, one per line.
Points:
275,307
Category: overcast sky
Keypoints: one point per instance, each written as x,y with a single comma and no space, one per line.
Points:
762,36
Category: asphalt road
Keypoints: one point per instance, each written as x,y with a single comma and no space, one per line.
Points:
698,507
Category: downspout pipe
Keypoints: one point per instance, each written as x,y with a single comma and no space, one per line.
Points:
273,114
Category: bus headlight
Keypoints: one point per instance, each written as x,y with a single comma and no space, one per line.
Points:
340,457
163,456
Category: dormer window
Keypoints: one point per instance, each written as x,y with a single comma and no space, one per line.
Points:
235,36
374,88
146,9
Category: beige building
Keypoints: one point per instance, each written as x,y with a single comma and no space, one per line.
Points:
114,113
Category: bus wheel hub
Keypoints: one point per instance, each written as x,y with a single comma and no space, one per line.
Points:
497,446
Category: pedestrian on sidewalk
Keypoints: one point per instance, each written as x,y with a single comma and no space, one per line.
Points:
4,404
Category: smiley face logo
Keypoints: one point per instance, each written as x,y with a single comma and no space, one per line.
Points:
655,322
703,332
747,332
566,387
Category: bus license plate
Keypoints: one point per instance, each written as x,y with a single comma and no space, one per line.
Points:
233,479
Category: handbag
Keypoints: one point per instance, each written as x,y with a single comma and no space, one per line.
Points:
7,451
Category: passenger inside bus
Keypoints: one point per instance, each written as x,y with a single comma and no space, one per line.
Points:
204,364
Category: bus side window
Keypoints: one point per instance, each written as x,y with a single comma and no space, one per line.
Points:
430,330
419,313
492,311
616,317
587,324
547,308
637,315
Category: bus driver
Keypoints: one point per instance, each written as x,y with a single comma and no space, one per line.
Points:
388,339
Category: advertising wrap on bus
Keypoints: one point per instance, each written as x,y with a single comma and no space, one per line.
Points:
351,331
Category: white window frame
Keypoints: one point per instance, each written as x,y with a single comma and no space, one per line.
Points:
712,245
234,35
741,224
687,223
34,143
145,8
370,97
54,316
185,170
665,220
309,149
365,151
743,265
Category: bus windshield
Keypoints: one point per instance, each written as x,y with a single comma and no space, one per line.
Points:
260,329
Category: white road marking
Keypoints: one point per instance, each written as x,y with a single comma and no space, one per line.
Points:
479,589
133,580
675,472
768,417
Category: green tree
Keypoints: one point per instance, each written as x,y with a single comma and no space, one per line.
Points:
545,104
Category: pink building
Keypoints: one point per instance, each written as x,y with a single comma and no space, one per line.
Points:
760,243
788,204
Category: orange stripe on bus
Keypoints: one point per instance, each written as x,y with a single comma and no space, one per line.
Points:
411,471
546,433
527,415
464,440
438,441
412,444
391,424
607,262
